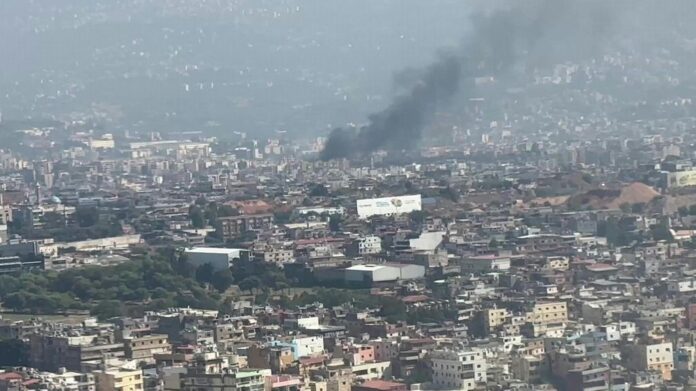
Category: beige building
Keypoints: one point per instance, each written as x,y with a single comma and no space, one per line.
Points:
544,313
527,368
494,318
656,357
119,380
144,347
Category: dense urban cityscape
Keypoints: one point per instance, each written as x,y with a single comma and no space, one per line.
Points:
518,217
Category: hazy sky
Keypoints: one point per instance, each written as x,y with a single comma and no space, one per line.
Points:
290,64
248,65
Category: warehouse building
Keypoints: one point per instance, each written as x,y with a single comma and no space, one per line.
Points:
390,272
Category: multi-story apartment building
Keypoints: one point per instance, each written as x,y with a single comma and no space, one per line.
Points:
650,356
249,380
51,353
545,313
364,245
119,380
458,370
233,226
144,347
495,317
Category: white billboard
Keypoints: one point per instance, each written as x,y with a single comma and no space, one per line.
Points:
388,205
682,179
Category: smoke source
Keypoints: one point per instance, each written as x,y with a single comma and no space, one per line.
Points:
542,31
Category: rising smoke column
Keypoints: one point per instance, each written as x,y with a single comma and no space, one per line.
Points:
546,30
399,126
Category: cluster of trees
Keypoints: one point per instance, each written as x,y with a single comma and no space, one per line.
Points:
168,280
106,291
251,275
618,232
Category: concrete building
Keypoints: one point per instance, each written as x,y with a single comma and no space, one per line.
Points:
458,370
364,245
248,380
218,258
485,263
51,353
145,347
527,368
19,264
233,226
372,370
645,356
68,381
545,313
495,317
274,254
119,380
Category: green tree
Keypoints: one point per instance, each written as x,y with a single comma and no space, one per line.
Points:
204,273
250,283
493,243
86,216
692,210
418,216
661,232
108,309
197,217
222,280
334,223
638,208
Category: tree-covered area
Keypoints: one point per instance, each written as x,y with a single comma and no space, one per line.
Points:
169,280
127,288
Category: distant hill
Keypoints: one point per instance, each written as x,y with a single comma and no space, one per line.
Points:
635,193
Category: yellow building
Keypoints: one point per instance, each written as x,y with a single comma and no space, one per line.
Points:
119,380
543,313
495,317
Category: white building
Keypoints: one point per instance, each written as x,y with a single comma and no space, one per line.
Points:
383,273
307,346
458,370
218,258
656,357
485,263
365,245
682,286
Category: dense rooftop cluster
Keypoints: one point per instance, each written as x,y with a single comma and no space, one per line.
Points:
187,263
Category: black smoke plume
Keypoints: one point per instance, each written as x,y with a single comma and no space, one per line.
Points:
543,30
